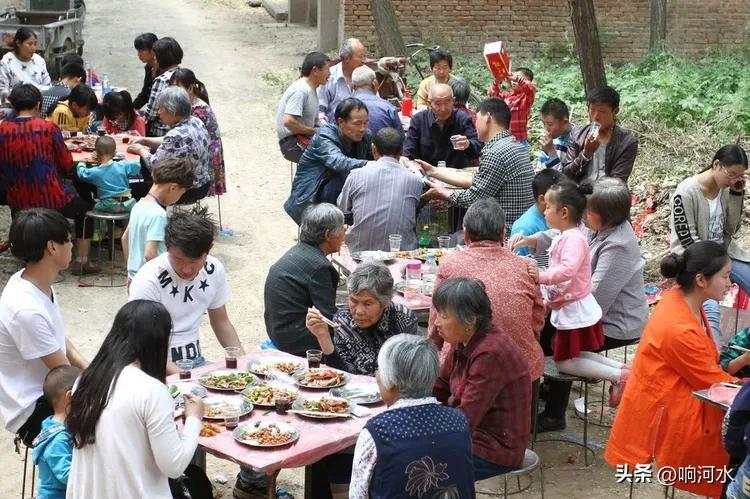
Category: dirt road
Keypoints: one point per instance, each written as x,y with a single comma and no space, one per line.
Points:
230,47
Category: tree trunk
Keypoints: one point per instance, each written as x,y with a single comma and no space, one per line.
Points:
583,17
386,27
658,24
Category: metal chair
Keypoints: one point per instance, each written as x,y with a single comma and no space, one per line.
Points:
106,217
26,455
531,463
551,372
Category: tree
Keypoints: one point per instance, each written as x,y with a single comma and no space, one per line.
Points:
658,23
586,32
386,27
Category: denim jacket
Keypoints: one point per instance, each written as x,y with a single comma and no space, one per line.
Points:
323,168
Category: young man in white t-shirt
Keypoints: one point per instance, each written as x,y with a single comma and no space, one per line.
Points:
188,282
32,338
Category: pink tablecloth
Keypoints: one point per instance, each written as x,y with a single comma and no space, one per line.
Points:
318,438
417,302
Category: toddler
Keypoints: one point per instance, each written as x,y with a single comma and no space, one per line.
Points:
110,178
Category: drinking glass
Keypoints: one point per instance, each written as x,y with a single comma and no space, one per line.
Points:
185,366
231,419
444,242
230,357
395,242
314,358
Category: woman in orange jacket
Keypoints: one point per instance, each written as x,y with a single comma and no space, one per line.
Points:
659,419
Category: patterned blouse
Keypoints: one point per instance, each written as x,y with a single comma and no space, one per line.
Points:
150,112
188,140
203,112
356,350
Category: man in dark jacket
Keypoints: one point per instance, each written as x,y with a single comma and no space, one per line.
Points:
336,149
601,148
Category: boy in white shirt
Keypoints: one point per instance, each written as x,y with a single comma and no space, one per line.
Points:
188,282
32,338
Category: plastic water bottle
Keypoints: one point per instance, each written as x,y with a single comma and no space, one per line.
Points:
441,164
424,237
105,84
89,81
429,275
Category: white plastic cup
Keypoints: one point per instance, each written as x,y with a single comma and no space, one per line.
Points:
394,240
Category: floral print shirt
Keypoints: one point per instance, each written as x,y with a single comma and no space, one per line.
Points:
203,112
188,140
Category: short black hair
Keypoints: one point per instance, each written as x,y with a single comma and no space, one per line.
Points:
572,196
83,95
22,34
388,141
71,58
73,70
313,60
59,380
555,108
529,74
347,106
604,95
497,108
145,41
466,299
190,233
25,97
105,146
32,229
168,52
544,180
441,55
174,170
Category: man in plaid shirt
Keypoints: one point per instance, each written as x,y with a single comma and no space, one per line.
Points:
520,100
484,376
505,171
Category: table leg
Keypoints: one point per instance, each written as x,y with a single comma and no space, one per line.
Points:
271,487
308,483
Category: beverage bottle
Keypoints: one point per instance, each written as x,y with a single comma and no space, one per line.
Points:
441,164
88,74
413,277
105,84
429,275
407,104
424,237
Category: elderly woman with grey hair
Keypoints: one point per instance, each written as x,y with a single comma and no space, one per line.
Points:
187,140
484,376
369,319
303,278
417,447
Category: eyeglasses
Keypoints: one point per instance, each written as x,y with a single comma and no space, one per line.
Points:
732,176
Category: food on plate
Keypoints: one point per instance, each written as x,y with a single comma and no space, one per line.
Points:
285,367
404,254
425,252
266,395
210,430
267,435
320,378
229,381
338,406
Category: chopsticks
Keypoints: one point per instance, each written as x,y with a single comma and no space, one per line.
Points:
741,349
329,322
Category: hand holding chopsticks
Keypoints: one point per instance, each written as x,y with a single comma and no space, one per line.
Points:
318,326
315,312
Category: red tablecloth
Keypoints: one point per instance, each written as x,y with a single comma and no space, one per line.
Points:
318,437
417,302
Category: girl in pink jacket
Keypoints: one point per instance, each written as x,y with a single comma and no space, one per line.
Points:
575,315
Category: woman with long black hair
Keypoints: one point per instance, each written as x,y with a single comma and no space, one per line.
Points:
125,442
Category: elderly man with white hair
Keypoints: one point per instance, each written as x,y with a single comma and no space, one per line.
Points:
338,87
430,132
381,113
417,447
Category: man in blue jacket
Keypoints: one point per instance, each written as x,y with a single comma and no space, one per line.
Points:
336,149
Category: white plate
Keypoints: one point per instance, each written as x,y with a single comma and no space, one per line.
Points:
177,389
299,405
264,366
253,380
378,256
344,378
239,404
246,392
239,433
358,393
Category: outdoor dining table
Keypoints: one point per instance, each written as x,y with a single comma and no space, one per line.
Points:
318,438
87,156
417,302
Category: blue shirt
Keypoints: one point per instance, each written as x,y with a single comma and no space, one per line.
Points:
381,114
53,453
110,179
148,221
561,148
531,222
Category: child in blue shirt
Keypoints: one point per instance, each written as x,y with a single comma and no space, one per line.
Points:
110,178
555,116
53,449
532,221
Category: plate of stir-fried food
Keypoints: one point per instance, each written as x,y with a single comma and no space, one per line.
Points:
266,434
321,378
228,381
323,408
265,366
265,395
218,407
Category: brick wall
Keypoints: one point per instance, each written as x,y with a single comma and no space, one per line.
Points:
533,27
